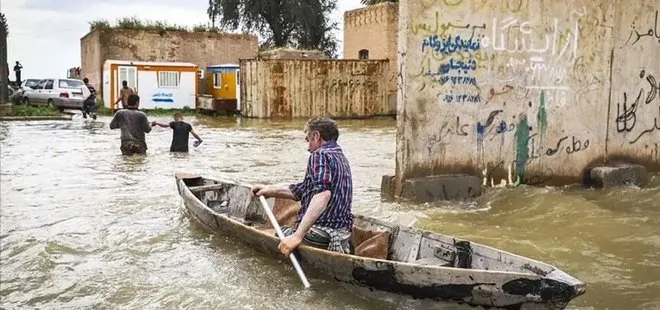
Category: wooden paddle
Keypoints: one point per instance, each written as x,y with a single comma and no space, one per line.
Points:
278,230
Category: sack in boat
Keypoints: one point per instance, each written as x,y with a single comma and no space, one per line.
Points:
371,243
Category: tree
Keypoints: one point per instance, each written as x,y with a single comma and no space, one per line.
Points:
315,31
372,2
4,67
282,23
212,12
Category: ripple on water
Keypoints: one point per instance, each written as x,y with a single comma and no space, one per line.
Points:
84,227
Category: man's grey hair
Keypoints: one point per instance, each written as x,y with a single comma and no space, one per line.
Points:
326,127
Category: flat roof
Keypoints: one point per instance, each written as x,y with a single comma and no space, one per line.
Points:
150,63
223,66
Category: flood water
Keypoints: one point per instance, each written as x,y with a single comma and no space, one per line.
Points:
83,227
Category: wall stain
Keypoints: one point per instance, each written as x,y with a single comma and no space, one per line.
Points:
542,116
522,150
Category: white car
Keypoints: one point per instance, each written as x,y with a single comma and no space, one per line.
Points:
58,93
30,84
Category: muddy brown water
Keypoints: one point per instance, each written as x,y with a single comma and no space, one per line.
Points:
83,227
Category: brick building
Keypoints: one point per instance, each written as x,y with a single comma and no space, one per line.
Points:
372,33
200,48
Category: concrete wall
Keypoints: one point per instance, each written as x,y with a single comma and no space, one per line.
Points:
200,48
374,28
634,121
92,58
272,88
527,86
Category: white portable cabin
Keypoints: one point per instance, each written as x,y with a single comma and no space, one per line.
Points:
165,85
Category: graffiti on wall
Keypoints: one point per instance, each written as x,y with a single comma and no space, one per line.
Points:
456,73
626,118
448,128
530,150
457,54
516,65
653,32
635,100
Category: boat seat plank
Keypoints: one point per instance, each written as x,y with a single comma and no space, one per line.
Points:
206,188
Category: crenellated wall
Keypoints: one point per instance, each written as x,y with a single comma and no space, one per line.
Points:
374,28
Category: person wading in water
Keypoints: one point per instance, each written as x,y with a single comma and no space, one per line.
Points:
89,105
326,194
180,133
123,95
133,124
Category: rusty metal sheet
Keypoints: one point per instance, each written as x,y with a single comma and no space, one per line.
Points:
292,88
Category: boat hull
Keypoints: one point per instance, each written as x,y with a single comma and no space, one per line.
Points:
487,288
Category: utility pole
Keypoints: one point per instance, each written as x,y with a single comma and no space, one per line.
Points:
4,67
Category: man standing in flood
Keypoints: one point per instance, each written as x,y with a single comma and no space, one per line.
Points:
326,194
17,71
123,95
133,124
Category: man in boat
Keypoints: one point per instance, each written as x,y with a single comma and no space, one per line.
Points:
133,124
326,194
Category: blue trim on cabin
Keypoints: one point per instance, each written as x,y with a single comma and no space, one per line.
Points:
222,68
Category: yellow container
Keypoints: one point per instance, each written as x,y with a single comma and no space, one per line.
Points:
222,82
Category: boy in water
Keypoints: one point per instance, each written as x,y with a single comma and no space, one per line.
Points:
180,133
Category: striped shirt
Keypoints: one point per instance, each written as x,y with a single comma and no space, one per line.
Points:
327,169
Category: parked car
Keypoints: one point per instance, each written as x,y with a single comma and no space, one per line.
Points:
27,86
58,93
30,84
13,95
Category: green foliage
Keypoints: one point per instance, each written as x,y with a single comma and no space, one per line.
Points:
4,24
148,25
101,109
205,28
4,79
29,110
303,24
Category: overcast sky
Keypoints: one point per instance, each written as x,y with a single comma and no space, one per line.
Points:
44,35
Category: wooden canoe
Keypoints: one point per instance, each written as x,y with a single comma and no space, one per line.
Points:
413,262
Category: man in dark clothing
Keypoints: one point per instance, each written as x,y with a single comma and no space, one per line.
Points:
133,124
90,102
180,133
17,71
